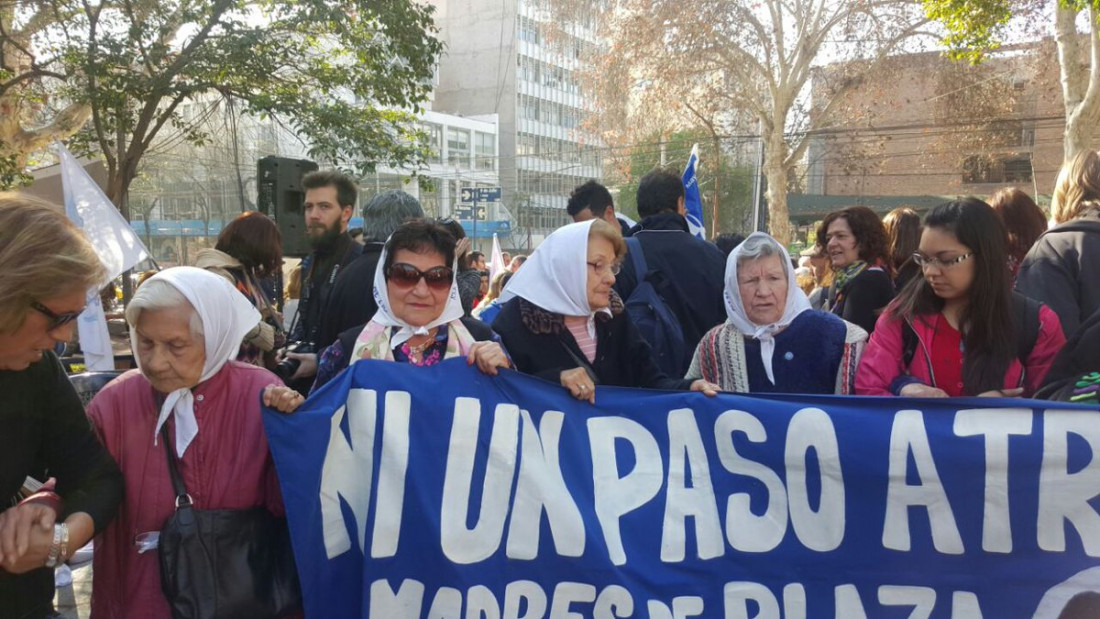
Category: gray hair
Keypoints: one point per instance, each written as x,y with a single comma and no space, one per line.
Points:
386,211
756,247
158,295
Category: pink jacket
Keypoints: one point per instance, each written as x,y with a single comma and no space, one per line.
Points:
882,364
227,466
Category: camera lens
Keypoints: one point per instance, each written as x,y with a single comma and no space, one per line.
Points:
287,368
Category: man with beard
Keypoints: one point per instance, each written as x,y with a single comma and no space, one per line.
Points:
329,203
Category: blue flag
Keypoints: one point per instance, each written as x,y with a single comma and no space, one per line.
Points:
442,492
693,204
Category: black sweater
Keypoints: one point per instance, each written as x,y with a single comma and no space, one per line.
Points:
45,433
867,295
539,344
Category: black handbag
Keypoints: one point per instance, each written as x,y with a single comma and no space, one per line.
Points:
223,563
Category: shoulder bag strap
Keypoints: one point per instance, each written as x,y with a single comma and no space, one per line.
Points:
182,498
581,363
637,256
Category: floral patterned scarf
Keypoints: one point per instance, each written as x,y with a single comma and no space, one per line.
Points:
374,342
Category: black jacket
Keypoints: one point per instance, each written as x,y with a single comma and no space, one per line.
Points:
319,276
1078,358
540,344
1062,269
45,433
865,298
694,269
351,302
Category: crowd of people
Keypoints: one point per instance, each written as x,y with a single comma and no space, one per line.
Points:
976,299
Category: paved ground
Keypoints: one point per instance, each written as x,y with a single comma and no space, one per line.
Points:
72,602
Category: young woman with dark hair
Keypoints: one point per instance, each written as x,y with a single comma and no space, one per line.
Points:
957,331
855,243
902,227
1024,221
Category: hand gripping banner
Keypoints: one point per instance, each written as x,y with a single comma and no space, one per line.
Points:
442,492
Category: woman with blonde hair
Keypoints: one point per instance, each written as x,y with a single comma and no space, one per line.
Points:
562,321
47,267
1062,267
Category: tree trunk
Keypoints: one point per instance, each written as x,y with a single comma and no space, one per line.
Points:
1077,74
779,218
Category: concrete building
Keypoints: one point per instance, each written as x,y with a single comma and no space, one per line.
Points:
926,127
501,59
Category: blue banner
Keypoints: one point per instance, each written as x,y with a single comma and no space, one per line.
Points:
442,492
693,203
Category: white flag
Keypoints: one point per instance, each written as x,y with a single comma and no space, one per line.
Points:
496,261
114,240
95,340
119,249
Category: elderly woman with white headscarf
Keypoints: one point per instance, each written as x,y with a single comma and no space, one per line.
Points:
773,341
561,320
186,324
420,319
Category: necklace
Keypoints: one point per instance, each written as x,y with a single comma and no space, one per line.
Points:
417,351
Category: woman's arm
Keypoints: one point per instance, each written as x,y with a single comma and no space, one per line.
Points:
88,481
881,362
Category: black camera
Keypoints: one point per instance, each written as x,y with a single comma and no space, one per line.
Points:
287,367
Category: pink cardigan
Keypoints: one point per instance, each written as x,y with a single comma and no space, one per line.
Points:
882,362
227,466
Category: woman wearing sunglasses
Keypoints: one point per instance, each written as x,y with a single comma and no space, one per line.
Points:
419,320
960,330
46,269
561,320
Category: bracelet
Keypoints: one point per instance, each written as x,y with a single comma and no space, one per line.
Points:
55,547
63,553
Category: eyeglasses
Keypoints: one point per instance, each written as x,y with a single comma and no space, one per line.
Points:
407,276
603,269
56,320
928,261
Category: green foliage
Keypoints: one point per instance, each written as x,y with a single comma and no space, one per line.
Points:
12,175
974,27
344,75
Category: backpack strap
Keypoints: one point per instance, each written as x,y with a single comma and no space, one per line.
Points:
1027,320
908,343
1027,324
637,257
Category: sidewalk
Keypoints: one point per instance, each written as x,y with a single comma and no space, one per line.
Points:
74,601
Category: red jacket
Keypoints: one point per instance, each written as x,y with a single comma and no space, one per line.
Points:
882,371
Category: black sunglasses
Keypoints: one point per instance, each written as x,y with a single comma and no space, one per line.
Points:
56,320
407,276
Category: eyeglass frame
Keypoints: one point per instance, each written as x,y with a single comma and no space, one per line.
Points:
56,320
420,275
614,268
944,265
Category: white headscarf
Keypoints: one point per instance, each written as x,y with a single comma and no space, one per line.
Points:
555,276
735,306
384,316
226,315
